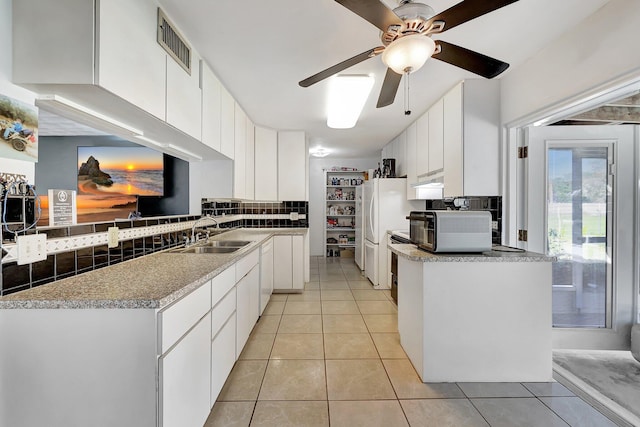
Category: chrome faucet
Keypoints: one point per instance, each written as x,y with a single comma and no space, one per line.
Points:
194,237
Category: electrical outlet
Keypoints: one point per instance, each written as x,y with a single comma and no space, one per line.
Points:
112,239
494,225
32,248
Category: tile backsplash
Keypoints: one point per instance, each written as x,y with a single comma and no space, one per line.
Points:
146,237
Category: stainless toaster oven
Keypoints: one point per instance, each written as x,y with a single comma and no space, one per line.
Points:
450,231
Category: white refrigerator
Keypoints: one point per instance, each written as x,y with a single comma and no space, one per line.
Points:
359,252
385,208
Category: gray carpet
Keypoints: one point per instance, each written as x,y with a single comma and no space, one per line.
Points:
614,374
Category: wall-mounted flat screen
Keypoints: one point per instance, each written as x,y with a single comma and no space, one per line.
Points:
120,171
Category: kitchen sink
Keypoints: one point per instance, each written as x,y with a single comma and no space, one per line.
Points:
226,243
209,250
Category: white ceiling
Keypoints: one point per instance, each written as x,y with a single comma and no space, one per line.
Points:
260,50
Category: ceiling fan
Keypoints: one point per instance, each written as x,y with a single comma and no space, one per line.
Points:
407,43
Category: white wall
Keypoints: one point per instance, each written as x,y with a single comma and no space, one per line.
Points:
213,178
11,90
601,49
317,194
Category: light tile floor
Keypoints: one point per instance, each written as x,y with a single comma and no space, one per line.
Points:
331,356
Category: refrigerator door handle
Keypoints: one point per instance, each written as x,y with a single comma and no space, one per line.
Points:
371,215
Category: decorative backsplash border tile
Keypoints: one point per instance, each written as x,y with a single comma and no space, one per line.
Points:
76,249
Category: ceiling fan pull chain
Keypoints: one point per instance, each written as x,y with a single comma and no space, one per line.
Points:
407,111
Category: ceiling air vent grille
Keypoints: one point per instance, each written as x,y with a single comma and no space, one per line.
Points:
173,42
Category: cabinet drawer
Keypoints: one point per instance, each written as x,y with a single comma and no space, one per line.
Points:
222,311
221,284
246,264
175,320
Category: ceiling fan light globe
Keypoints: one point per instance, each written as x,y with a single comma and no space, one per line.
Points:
408,53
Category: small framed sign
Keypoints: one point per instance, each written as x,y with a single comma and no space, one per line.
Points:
62,207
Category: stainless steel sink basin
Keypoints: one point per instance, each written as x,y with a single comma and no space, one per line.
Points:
226,243
209,250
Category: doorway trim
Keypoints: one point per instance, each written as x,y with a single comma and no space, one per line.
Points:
514,180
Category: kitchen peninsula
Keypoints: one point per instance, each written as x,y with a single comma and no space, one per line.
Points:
482,317
145,342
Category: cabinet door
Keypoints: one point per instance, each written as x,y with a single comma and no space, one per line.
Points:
240,153
422,145
184,98
210,108
297,267
247,294
410,156
436,137
266,164
453,155
223,356
266,274
249,177
400,154
130,63
185,379
282,262
292,166
227,123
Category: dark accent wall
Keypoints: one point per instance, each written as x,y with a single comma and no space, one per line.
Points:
58,164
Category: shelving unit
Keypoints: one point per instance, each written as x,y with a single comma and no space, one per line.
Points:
20,214
340,211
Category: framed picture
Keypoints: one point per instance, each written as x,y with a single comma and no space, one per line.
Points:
18,130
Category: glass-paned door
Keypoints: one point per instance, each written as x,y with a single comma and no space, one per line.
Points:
579,234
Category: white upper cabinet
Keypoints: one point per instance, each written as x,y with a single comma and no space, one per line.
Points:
266,164
400,154
455,143
240,153
436,138
250,193
227,123
422,145
472,139
292,166
184,97
410,159
72,43
130,63
210,107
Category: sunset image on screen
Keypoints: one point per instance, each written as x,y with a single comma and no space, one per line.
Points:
121,171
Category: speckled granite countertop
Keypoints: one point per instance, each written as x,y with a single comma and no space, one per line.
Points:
499,254
151,282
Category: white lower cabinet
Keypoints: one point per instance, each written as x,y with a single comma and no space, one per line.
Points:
248,290
223,355
288,262
155,368
184,380
248,297
266,274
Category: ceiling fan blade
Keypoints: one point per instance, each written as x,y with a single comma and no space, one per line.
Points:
389,88
373,11
467,10
469,60
341,66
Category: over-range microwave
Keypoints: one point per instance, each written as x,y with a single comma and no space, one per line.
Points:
450,231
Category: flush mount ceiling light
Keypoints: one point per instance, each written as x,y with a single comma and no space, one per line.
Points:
319,152
347,95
